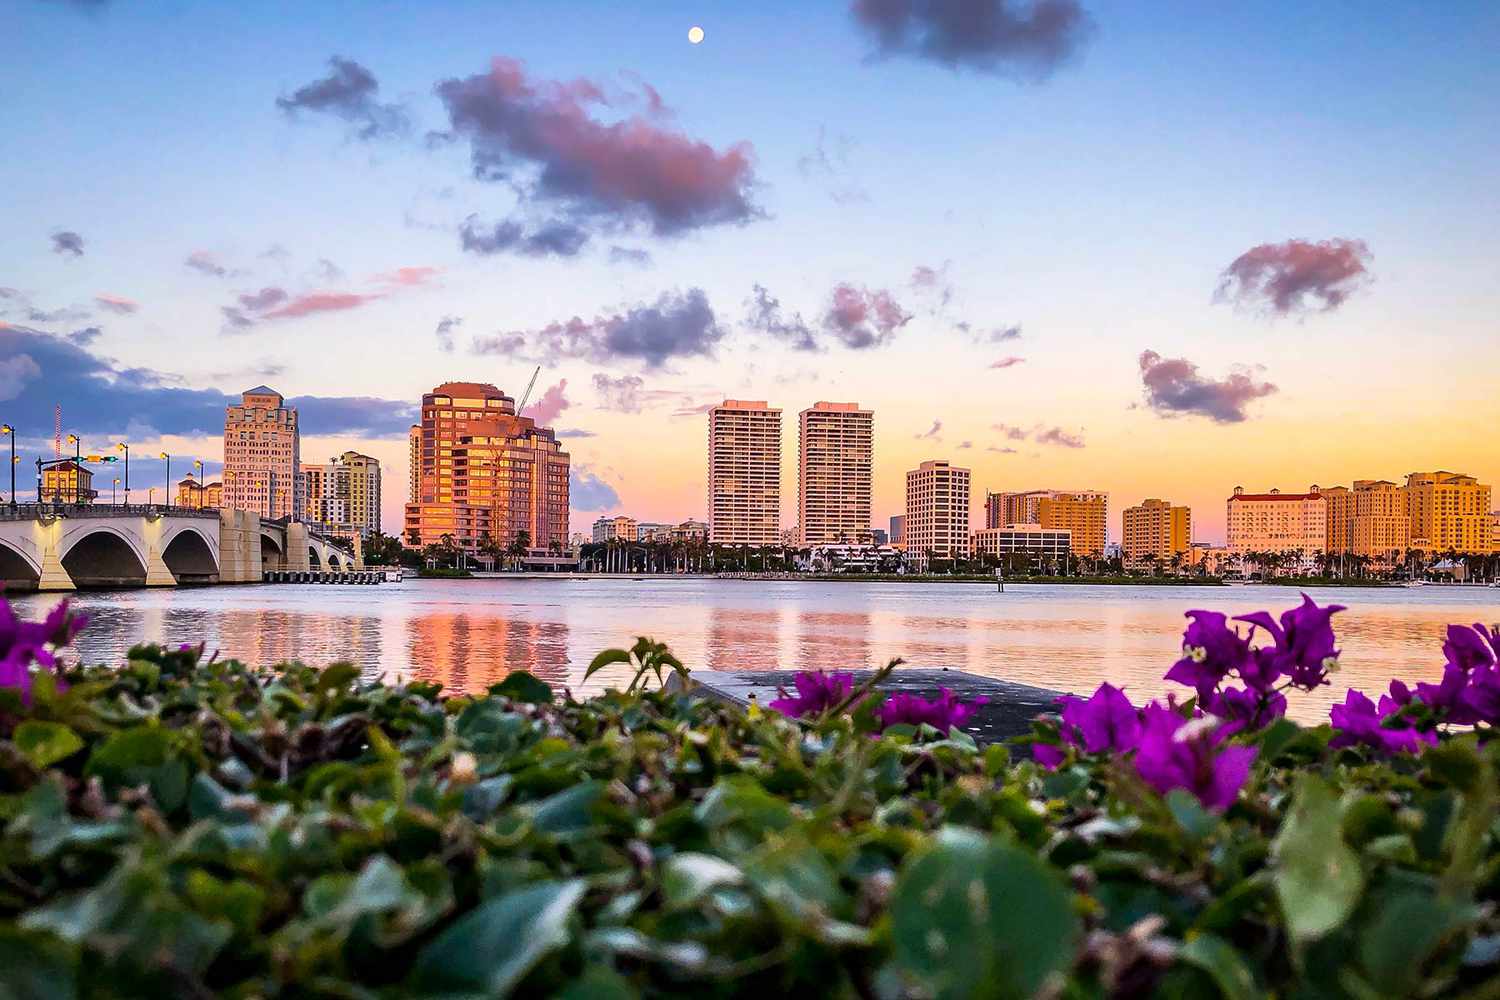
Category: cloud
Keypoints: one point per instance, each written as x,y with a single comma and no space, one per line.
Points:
677,325
348,92
1057,436
832,167
765,316
552,402
932,433
85,336
319,302
67,243
1010,431
587,491
409,277
862,318
102,399
1007,362
1173,385
1001,451
15,372
558,238
623,393
962,445
573,432
629,255
1010,38
542,137
117,304
932,284
204,262
275,303
444,332
1297,276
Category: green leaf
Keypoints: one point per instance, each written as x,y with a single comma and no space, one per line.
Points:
519,685
688,877
1196,821
1318,877
1406,929
1455,764
45,743
489,951
336,677
598,982
570,810
1224,964
142,756
604,659
36,967
974,917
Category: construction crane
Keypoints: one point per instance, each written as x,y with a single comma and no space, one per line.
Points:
57,431
529,386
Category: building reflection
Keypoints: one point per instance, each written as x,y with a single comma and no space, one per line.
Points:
833,640
468,653
743,639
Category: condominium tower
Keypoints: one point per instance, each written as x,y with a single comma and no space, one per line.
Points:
484,474
835,464
1155,529
344,494
1448,510
1370,520
744,473
263,456
937,514
1083,513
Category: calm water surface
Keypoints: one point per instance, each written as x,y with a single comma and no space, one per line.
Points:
470,633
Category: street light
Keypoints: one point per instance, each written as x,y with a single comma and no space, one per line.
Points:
77,466
168,459
10,432
113,489
122,446
198,465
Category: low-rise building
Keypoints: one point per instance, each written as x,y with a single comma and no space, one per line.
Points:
1045,548
202,496
619,528
898,529
838,558
67,482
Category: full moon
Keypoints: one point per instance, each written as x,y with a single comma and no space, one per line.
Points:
695,34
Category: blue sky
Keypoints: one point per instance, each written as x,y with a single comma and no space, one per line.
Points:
1096,209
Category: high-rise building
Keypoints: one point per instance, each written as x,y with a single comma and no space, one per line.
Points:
937,514
344,494
744,473
485,474
1339,501
835,467
1155,529
263,456
616,529
1082,513
1448,510
1277,522
1370,520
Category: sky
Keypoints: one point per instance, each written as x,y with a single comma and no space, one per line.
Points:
1160,249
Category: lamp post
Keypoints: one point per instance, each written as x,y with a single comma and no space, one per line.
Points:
10,432
198,467
122,446
168,459
114,489
77,466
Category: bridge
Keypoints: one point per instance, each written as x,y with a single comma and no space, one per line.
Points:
63,547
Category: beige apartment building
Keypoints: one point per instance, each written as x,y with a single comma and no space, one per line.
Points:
263,456
484,473
616,529
835,473
1084,514
1448,510
1277,522
1155,529
937,514
744,473
344,494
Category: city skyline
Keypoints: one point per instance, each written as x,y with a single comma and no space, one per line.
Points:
1059,273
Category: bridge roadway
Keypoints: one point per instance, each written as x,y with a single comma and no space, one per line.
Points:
64,547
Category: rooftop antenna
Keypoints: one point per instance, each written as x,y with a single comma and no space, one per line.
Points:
529,386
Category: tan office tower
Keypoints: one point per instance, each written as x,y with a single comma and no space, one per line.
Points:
263,456
937,514
344,494
744,473
485,475
1084,513
1154,529
835,469
1448,510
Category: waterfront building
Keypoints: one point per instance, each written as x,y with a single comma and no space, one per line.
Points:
1082,513
1449,510
344,495
1278,522
1208,559
1495,531
67,482
744,473
1156,530
898,529
937,514
263,456
1339,532
203,496
618,529
1042,547
652,531
690,530
486,474
835,472
1369,520
842,558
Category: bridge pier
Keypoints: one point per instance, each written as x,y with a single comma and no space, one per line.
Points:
54,577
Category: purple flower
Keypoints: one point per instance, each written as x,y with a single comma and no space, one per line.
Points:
1304,647
817,692
1106,721
1178,753
1482,696
1256,709
1047,754
25,643
1448,695
1469,647
1211,650
1358,721
941,714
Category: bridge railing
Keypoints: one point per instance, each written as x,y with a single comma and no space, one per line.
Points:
34,511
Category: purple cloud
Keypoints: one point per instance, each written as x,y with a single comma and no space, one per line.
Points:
587,491
932,433
677,325
444,332
1007,362
557,238
1009,38
1297,276
348,92
765,316
67,243
862,318
1173,385
204,262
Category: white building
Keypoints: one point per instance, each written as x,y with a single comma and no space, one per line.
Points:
744,473
937,514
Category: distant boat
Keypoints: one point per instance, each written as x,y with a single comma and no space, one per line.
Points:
1415,583
394,575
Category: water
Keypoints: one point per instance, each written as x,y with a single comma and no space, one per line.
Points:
470,633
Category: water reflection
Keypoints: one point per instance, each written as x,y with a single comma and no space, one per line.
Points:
469,634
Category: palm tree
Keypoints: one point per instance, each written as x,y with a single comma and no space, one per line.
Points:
520,546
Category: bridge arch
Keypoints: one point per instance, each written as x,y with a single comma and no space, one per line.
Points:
272,551
190,555
18,570
315,559
101,555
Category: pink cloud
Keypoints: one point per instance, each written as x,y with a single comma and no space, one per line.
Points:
116,303
409,277
547,409
1295,276
318,302
1009,362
